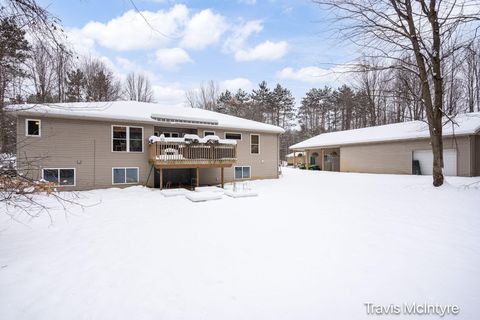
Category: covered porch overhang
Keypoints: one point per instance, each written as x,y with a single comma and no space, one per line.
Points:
197,168
327,158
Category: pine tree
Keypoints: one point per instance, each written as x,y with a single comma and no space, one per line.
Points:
13,52
262,102
224,101
75,86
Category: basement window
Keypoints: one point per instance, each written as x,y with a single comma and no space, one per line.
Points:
242,173
60,176
124,175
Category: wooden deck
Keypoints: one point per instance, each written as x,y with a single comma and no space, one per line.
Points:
181,155
168,155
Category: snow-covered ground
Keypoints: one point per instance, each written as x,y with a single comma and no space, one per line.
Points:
312,245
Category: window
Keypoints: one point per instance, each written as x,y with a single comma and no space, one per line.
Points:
254,143
313,158
171,134
127,139
124,175
242,173
61,177
136,139
208,133
32,127
119,138
233,136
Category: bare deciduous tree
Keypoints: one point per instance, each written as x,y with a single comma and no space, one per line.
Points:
430,31
100,82
205,97
41,71
138,88
471,74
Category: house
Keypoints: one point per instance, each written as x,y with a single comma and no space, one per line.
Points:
106,144
400,148
295,158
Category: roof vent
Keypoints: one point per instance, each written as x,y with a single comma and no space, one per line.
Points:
179,119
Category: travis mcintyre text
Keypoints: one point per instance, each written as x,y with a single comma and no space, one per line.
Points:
412,309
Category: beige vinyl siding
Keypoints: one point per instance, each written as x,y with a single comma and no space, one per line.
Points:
86,145
396,157
263,165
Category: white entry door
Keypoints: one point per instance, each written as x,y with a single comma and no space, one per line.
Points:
425,158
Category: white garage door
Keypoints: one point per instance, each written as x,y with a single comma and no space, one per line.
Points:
425,157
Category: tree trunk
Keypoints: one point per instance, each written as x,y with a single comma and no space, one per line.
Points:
437,149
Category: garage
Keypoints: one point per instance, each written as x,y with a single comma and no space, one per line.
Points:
425,158
402,148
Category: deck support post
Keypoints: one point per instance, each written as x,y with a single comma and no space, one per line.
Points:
161,178
222,177
198,177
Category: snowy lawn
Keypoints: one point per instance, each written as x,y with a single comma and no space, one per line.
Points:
312,245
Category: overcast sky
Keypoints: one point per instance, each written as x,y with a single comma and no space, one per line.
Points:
182,44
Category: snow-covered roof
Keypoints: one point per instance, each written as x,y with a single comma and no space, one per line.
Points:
154,113
468,123
191,138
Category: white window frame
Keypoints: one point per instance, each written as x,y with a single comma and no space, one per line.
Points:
170,133
128,138
211,131
125,168
58,169
241,135
39,128
254,134
234,178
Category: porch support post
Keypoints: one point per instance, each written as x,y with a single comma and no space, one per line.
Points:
322,154
222,177
161,178
198,177
293,159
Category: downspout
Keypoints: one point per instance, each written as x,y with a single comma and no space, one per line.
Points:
278,155
94,162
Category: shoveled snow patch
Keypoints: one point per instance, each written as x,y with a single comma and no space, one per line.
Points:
241,194
312,245
174,192
209,189
203,196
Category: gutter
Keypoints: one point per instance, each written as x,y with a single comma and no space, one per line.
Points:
376,142
141,121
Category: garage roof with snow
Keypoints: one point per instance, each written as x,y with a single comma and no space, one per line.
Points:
465,124
153,113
